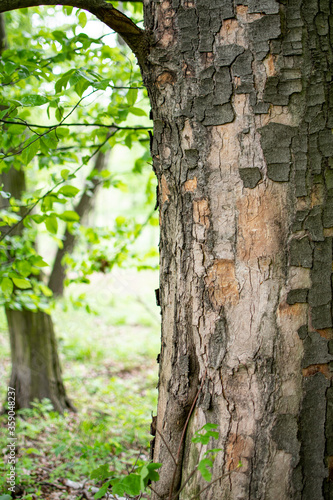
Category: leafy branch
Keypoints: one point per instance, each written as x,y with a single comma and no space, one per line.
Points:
50,129
134,36
12,228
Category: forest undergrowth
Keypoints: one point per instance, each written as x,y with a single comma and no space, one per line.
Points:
109,366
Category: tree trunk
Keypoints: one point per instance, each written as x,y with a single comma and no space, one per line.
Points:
36,372
242,148
58,274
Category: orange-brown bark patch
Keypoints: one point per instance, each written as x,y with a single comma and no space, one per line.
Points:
165,78
269,63
164,189
326,333
238,448
328,231
320,368
201,212
261,223
244,16
222,283
191,185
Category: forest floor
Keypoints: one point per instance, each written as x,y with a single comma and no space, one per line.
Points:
109,367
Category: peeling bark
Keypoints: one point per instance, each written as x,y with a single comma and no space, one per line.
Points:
242,145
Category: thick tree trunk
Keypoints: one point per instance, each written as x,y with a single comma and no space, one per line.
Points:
36,372
58,274
241,98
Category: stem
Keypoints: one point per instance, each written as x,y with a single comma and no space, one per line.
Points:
167,446
183,435
212,482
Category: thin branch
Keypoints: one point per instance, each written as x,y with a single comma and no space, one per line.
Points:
183,435
116,20
152,489
36,125
212,482
50,129
167,446
185,482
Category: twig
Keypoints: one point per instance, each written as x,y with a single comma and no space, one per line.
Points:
167,446
212,482
23,123
51,128
183,435
185,482
152,489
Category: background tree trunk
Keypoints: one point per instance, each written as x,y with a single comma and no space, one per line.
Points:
84,207
36,372
241,98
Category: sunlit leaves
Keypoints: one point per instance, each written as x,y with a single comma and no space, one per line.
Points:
34,100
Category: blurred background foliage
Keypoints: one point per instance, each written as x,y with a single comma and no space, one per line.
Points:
70,91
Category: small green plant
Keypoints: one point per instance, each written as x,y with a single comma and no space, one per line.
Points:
133,484
137,481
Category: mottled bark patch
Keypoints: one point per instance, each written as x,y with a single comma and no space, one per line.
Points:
239,449
164,190
201,212
222,283
191,185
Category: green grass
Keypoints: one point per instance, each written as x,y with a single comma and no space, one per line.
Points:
110,373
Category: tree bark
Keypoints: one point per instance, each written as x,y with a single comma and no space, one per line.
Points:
58,274
36,372
242,148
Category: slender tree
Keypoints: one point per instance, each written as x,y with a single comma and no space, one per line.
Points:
241,100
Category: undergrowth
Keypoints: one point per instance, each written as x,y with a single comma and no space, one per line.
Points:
110,373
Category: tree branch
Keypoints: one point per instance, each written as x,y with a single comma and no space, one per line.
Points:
133,35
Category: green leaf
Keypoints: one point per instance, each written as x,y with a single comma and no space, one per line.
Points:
64,173
38,218
137,112
34,100
101,472
51,224
209,427
7,286
5,497
62,131
82,19
22,283
131,96
45,290
59,449
24,268
101,492
68,191
203,468
30,151
38,261
69,216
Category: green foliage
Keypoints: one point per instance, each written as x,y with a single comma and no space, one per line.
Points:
65,97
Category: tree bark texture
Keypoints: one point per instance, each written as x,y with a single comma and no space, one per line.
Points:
242,103
36,372
58,274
